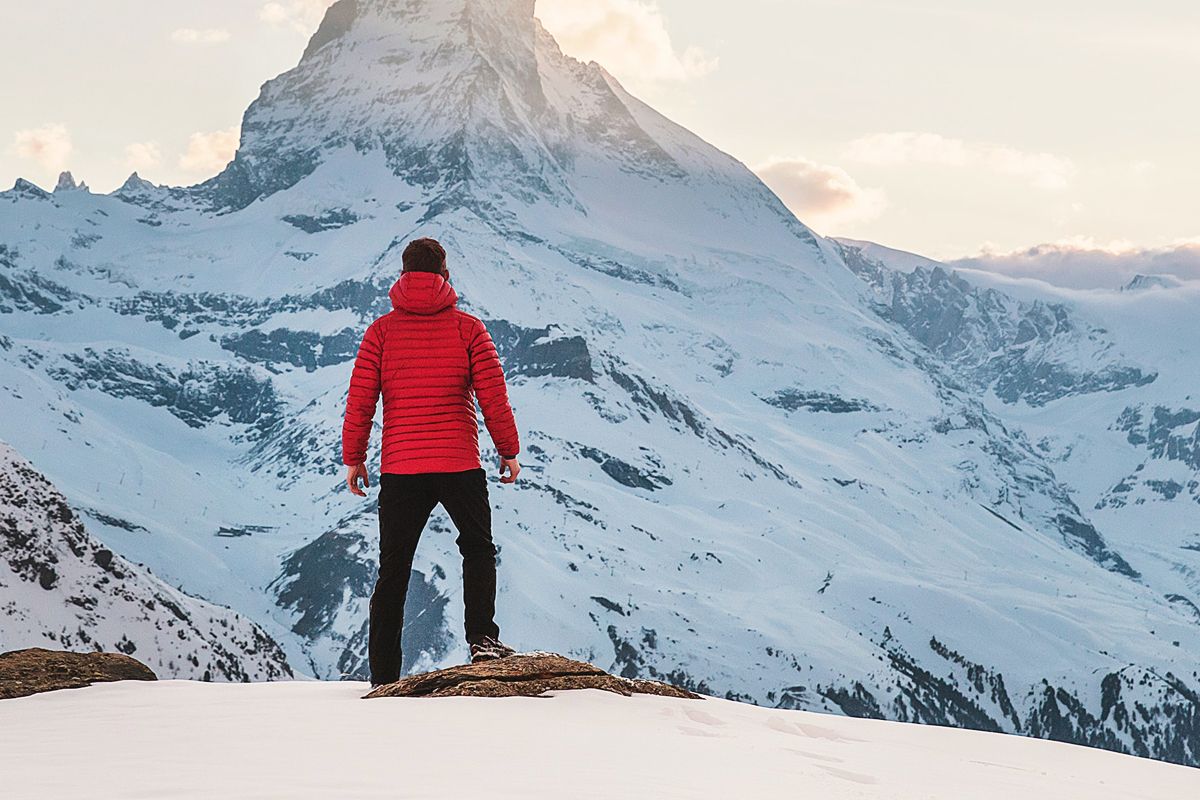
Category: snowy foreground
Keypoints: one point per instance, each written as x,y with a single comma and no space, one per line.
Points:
180,739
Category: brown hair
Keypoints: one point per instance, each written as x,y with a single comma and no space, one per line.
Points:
424,255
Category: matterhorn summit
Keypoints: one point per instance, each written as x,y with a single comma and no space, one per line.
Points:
444,90
473,103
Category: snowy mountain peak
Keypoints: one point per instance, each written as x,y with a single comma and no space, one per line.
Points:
472,102
449,92
1141,282
461,39
471,105
387,18
136,183
26,189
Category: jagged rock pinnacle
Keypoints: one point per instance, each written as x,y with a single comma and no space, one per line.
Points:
66,183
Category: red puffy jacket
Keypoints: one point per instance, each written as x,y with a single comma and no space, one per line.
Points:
427,356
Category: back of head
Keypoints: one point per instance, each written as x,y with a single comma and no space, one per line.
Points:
424,255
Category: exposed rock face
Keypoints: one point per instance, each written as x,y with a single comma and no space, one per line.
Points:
1165,434
1142,712
1036,352
522,675
36,670
66,183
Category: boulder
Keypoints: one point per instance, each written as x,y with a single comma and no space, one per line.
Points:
522,675
26,672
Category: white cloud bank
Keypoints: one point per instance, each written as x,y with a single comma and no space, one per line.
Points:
1081,263
198,36
629,38
49,146
821,195
208,153
1042,170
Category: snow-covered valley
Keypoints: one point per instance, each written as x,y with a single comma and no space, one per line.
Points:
759,463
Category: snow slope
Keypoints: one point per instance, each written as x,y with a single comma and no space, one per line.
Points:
755,465
60,589
174,740
1133,457
1130,453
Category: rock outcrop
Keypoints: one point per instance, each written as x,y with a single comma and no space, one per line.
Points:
522,675
36,670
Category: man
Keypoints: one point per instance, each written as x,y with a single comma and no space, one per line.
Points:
427,358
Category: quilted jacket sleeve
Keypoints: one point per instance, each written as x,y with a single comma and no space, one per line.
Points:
487,378
362,399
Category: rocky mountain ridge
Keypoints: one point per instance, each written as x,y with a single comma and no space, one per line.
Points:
61,588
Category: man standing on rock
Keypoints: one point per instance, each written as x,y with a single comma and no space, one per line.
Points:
427,358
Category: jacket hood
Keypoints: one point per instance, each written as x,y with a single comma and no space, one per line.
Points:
422,293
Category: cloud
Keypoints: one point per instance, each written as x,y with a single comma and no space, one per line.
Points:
197,36
302,16
210,152
140,156
821,195
628,37
1043,170
1082,263
50,145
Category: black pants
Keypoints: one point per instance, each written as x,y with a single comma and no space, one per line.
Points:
405,503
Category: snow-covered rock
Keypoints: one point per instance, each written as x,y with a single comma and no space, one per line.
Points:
1029,351
61,589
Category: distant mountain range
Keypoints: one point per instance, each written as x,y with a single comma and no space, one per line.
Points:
760,463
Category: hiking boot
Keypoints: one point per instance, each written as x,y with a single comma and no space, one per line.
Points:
488,648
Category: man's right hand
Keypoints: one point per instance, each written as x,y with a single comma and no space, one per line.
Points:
353,475
514,469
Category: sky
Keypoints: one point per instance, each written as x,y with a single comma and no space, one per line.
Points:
984,129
